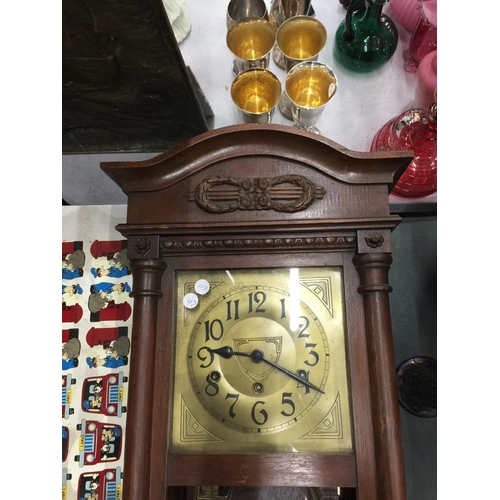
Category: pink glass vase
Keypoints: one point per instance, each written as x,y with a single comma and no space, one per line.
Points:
405,12
426,87
414,130
424,37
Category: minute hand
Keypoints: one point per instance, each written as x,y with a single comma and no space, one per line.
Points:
257,356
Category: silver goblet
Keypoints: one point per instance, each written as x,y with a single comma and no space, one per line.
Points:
250,40
280,11
256,93
310,86
299,39
238,9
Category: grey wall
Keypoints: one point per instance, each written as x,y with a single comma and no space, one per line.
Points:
414,321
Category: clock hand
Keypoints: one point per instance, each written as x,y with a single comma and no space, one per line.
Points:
257,356
228,352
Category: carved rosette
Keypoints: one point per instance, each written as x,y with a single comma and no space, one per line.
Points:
343,243
287,193
375,240
142,246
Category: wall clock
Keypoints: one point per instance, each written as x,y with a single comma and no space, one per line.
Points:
261,362
261,346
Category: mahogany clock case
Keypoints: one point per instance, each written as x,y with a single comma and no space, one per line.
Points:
296,469
255,196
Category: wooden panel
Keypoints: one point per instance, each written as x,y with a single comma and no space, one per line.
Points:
159,419
291,469
359,384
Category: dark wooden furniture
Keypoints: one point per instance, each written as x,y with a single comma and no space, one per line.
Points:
125,87
265,196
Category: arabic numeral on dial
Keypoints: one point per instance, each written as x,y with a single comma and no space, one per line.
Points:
213,330
283,310
212,389
259,298
304,327
231,408
312,353
232,309
286,401
202,358
305,375
264,416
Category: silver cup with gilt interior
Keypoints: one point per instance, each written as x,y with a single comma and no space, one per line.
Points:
299,39
238,9
256,93
281,11
310,86
250,40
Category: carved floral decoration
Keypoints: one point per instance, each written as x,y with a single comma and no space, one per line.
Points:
288,193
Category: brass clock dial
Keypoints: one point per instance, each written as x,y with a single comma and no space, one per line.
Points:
243,387
260,362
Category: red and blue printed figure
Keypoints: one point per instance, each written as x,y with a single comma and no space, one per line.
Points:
72,289
116,355
101,295
104,394
100,485
99,442
116,267
108,288
73,259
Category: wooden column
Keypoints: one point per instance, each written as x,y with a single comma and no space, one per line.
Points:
147,276
373,269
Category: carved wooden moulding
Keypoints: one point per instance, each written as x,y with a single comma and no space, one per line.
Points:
307,244
287,193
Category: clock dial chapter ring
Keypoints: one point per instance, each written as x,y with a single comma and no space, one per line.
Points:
258,396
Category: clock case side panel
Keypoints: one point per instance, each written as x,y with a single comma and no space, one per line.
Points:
162,390
359,378
285,469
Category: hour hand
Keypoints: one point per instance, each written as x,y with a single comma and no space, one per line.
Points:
228,352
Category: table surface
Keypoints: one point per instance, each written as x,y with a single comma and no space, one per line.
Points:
362,104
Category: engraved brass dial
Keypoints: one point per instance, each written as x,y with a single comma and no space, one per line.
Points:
249,395
261,355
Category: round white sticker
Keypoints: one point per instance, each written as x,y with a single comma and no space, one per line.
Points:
202,286
190,300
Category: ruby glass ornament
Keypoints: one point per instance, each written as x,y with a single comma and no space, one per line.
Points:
414,130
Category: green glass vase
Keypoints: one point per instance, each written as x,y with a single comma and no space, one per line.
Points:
366,39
